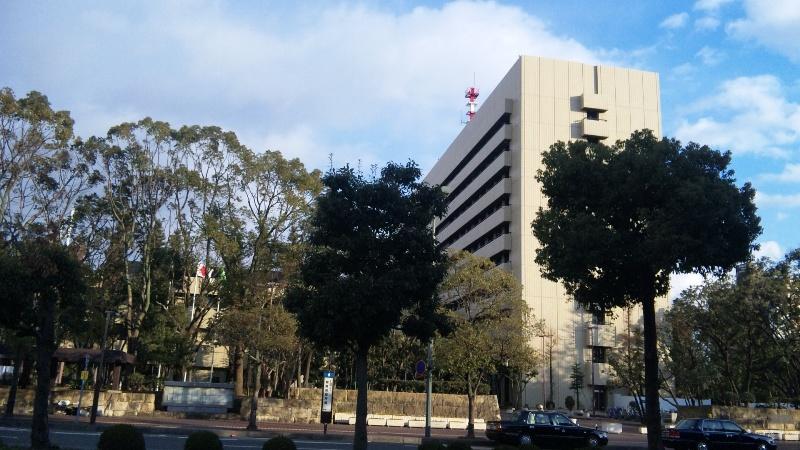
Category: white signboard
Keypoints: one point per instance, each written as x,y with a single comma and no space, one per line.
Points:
327,393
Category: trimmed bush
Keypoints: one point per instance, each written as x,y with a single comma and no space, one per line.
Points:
121,437
279,443
458,445
203,440
431,444
569,402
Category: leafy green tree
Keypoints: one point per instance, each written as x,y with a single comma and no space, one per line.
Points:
627,361
137,188
43,285
257,230
742,338
372,266
780,316
491,325
621,219
576,381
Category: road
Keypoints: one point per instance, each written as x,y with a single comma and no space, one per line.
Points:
85,440
173,437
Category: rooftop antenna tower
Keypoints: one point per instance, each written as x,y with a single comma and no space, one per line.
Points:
471,94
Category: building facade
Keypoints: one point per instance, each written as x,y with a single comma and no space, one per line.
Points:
490,171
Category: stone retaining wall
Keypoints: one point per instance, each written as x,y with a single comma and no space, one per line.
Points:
753,418
112,403
304,404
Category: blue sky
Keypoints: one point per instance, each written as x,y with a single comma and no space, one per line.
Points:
379,81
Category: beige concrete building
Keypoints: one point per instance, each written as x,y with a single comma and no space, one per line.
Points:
490,168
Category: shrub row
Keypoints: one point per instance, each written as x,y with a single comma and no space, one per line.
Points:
126,437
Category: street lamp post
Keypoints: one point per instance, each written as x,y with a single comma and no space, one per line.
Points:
101,381
544,378
591,329
428,375
428,390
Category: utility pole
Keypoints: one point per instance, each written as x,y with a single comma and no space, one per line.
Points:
429,390
101,381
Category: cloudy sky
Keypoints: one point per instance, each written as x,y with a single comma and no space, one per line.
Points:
379,81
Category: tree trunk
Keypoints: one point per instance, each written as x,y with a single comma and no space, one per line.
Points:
40,436
238,371
251,422
471,411
25,375
651,382
12,392
308,367
360,436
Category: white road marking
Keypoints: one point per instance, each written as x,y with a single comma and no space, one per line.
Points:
79,433
8,437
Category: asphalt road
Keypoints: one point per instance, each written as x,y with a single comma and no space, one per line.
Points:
85,440
173,437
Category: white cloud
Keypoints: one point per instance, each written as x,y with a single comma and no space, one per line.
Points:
774,24
790,174
707,23
782,216
679,282
710,56
769,249
777,200
675,21
355,77
685,70
710,5
745,115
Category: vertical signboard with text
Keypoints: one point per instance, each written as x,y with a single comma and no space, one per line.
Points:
326,412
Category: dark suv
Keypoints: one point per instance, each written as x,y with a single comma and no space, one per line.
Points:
713,434
547,429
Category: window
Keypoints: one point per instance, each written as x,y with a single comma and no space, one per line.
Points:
560,419
541,419
687,424
593,115
599,317
599,355
712,425
729,426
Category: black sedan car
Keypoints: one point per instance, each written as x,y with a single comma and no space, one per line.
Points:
546,429
714,434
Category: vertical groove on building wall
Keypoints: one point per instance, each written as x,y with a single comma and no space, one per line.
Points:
596,79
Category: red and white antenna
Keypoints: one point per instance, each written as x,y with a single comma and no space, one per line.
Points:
472,94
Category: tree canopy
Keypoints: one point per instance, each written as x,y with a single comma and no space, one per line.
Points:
371,265
492,325
621,219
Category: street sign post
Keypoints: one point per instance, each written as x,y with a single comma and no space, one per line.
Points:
84,377
326,408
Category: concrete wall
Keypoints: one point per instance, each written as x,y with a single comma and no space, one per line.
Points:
304,405
113,403
753,418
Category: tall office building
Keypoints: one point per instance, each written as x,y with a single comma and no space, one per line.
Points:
490,169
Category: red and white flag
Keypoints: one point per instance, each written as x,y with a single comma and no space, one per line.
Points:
202,270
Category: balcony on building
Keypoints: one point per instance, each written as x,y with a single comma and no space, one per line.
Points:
601,373
594,129
593,102
600,335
